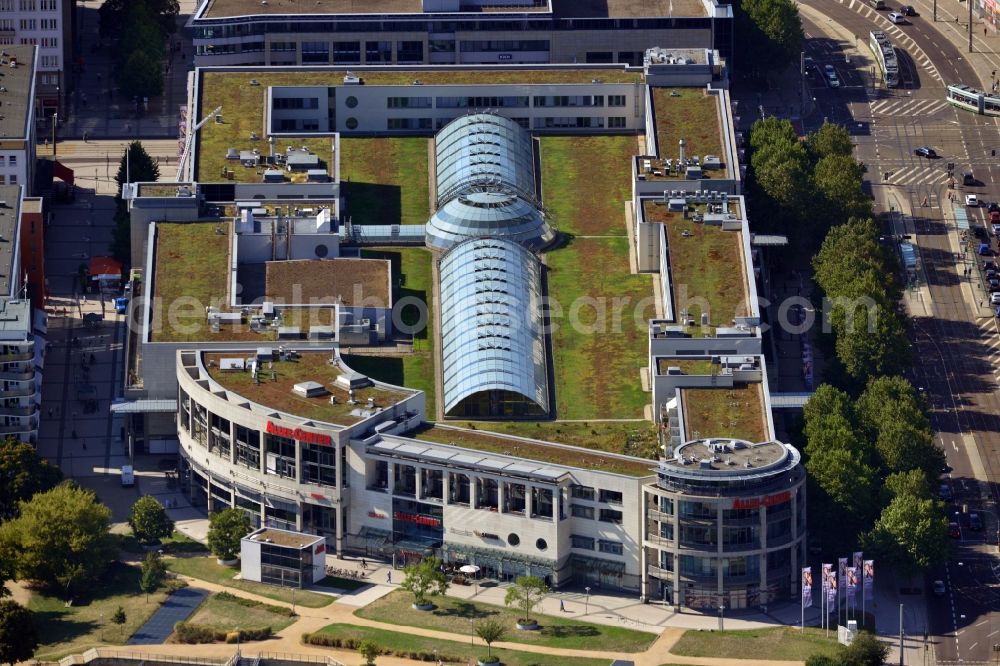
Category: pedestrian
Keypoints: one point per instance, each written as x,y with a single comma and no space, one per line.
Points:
364,565
50,412
562,606
388,578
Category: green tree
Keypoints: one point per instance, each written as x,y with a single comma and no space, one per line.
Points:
369,649
829,140
62,538
912,483
119,618
225,529
839,178
153,573
141,75
423,579
865,650
911,534
780,24
525,594
149,520
136,166
22,474
113,15
18,635
490,631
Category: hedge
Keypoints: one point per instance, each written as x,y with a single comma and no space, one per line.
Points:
326,640
188,632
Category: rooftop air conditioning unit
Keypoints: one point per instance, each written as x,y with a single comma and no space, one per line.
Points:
254,82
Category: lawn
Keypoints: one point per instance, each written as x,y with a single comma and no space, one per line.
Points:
413,279
190,275
385,180
64,630
224,611
492,443
600,341
452,613
586,181
449,651
632,438
689,114
710,412
206,568
706,267
780,643
175,543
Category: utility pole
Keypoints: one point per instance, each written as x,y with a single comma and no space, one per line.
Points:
55,122
935,11
901,632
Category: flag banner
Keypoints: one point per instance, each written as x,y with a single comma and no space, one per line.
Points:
807,587
858,562
852,584
868,580
829,584
842,568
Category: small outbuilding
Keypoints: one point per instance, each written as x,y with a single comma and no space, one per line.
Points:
282,557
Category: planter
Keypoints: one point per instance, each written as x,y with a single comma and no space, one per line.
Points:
228,563
423,607
526,625
480,662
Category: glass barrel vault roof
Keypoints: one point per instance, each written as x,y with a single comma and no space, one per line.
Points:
483,149
492,338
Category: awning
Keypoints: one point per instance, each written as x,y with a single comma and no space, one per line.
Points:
145,406
62,172
105,268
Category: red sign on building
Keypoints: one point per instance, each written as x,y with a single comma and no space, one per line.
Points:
767,500
303,436
416,518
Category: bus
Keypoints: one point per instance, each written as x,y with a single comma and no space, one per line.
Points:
885,55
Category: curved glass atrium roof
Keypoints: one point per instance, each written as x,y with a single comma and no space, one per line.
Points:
493,346
483,149
492,213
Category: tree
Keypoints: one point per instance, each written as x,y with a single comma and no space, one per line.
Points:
18,635
865,650
153,573
149,520
62,538
525,594
121,235
141,76
113,15
830,139
369,649
136,166
839,179
490,631
119,618
911,534
22,474
424,578
225,529
780,24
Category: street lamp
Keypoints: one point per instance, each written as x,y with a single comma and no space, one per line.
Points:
586,602
722,614
55,122
472,631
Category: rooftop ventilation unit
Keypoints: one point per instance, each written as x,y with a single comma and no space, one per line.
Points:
254,82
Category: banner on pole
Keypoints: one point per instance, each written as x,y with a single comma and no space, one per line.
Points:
807,587
858,561
829,584
842,568
868,581
852,585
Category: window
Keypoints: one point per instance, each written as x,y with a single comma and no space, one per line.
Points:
50,42
580,511
501,45
581,542
376,52
295,103
610,547
610,516
581,492
48,5
13,160
319,464
351,123
49,24
347,53
616,122
6,24
600,56
247,447
667,531
28,24
280,455
667,505
611,496
283,46
351,102
313,52
541,544
50,61
408,102
513,539
3,160
27,5
410,124
616,100
410,51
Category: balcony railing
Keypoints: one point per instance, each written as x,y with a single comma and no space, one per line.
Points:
656,514
660,541
18,411
658,572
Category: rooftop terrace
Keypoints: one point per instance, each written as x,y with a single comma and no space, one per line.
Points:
706,266
343,280
725,412
688,366
729,455
626,8
284,538
17,83
689,114
561,455
274,387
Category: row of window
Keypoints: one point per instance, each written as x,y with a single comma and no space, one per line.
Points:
588,493
350,52
588,543
295,103
603,515
577,100
510,101
10,160
30,24
28,5
44,42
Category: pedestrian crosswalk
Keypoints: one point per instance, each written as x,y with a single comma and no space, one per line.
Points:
918,175
908,107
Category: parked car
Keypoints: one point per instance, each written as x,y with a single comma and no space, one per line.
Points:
831,76
972,201
995,298
939,588
989,265
944,492
979,232
877,4
907,10
925,151
994,206
897,18
993,284
995,228
954,531
975,522
984,250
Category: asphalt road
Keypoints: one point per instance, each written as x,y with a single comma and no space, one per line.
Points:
957,343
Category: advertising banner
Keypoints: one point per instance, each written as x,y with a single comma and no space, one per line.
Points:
868,580
807,587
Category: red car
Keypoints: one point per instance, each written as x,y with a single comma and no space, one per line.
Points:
954,531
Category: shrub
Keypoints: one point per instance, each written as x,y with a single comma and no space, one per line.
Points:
191,633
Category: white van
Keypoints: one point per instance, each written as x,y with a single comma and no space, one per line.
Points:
128,476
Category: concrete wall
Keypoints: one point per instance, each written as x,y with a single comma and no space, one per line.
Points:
250,560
